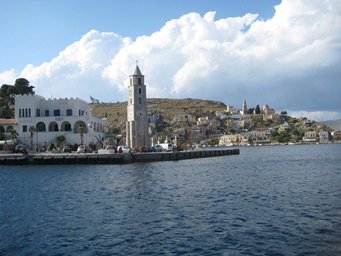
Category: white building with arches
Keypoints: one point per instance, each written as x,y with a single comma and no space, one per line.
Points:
56,117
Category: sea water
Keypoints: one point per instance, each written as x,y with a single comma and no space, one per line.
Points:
269,200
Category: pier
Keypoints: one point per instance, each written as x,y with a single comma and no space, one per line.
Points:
94,158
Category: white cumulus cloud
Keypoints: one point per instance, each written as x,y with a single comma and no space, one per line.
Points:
291,61
8,77
77,71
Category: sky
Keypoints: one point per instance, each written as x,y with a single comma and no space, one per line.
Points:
286,54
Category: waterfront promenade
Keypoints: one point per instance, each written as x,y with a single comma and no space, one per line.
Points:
94,158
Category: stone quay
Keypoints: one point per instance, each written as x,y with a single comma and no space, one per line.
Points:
94,158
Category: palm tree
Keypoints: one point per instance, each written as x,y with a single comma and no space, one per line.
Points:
81,132
14,134
32,130
60,140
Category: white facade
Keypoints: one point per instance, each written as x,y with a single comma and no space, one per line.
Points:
56,117
324,137
231,109
137,115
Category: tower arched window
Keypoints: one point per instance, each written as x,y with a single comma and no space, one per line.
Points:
139,81
140,100
140,91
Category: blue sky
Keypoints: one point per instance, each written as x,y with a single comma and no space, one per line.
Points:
38,30
285,54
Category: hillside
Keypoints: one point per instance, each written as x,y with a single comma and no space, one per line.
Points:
166,108
334,124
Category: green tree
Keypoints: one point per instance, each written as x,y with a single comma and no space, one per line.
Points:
14,134
257,111
114,130
60,140
7,95
22,86
81,131
32,131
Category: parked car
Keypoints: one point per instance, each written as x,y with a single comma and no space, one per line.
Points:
158,148
83,149
151,149
20,149
67,149
141,149
125,149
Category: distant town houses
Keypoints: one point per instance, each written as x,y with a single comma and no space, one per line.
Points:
239,126
336,135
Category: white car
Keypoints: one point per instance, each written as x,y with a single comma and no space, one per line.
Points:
82,149
125,149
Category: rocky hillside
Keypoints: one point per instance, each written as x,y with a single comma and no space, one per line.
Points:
166,108
334,124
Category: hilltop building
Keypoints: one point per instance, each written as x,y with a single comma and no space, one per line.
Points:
244,108
137,115
231,109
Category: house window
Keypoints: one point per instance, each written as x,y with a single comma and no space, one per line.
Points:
69,112
38,112
26,112
29,112
19,112
56,112
81,112
24,128
47,113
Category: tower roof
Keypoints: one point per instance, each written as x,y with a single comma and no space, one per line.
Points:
137,71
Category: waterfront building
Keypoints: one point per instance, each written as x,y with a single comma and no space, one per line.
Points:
137,115
199,132
6,125
310,136
228,140
336,135
324,137
56,117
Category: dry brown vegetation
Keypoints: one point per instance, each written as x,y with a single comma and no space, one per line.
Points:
117,112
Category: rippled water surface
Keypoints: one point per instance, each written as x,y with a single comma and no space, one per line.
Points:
269,200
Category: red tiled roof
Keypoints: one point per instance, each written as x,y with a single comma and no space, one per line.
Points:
7,121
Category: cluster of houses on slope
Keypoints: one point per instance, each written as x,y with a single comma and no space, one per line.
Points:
235,119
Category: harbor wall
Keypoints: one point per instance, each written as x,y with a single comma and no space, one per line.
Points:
53,159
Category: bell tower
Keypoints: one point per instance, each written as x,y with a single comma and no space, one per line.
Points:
137,118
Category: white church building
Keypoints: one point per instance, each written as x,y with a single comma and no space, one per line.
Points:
56,117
